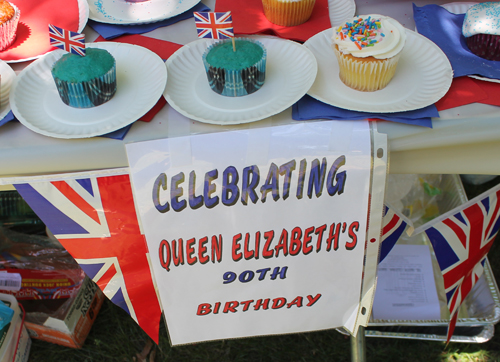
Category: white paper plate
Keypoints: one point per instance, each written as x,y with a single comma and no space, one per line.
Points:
340,10
83,7
290,71
458,7
461,8
8,76
141,79
423,76
122,12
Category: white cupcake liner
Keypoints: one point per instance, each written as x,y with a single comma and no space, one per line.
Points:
8,30
366,75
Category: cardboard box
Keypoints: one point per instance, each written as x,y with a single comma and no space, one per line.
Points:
72,330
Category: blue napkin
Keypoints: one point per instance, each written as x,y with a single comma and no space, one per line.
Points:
110,31
9,117
445,29
118,134
309,108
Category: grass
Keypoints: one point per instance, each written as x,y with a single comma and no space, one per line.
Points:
116,337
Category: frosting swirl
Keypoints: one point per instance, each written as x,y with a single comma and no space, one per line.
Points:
482,18
372,35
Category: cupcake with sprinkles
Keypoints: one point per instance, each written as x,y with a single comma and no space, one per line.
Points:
481,29
368,48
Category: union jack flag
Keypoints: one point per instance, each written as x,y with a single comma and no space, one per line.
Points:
393,226
67,40
461,241
214,25
95,219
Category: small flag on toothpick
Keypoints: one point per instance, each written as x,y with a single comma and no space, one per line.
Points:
67,40
213,25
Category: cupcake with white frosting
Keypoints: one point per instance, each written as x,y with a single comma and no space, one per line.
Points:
481,29
368,48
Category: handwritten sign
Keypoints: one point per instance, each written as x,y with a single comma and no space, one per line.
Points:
256,232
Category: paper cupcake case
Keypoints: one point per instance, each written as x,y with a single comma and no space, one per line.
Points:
366,75
88,94
8,30
288,12
236,83
486,46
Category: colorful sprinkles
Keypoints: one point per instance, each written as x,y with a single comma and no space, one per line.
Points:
362,32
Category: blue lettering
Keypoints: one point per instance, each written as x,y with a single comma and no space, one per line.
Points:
161,181
176,192
230,190
250,180
210,188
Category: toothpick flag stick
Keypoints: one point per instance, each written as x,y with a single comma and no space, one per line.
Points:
67,40
213,25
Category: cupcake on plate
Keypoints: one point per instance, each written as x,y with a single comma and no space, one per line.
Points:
288,12
88,81
481,29
235,73
368,48
9,18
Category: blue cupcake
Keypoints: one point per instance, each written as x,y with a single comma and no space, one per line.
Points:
85,82
235,73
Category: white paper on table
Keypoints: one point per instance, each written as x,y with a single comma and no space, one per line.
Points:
406,288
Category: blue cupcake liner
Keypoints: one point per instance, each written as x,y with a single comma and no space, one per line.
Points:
88,94
236,83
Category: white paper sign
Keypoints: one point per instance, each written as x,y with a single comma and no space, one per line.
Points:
406,289
255,232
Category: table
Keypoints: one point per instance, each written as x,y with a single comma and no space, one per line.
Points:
464,140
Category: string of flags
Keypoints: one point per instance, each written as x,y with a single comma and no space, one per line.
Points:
461,239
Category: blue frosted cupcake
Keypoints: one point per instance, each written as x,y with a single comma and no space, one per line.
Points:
235,73
85,82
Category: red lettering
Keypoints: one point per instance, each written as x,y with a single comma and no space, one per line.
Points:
190,251
264,303
312,299
297,302
179,257
269,236
307,239
202,249
230,307
236,255
333,236
216,307
204,309
282,243
278,303
247,253
164,254
319,231
295,242
216,248
352,228
246,304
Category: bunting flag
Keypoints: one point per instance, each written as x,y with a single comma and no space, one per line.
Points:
214,25
461,238
67,40
393,226
94,218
